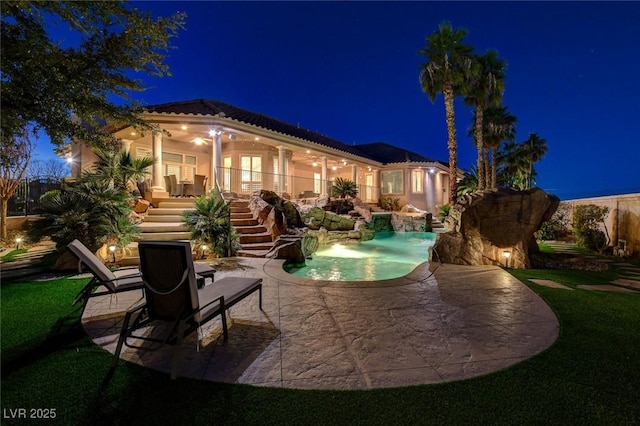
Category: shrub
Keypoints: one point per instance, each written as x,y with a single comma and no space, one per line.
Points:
588,225
556,227
443,212
209,223
390,204
343,188
91,210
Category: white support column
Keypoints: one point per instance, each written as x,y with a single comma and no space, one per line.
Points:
376,184
282,163
125,145
323,176
354,173
216,158
430,190
156,177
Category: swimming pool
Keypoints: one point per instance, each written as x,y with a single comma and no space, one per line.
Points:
388,255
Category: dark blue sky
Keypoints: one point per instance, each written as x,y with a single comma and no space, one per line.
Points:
349,70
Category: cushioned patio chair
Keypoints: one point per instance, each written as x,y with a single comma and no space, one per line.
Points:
113,281
120,280
171,296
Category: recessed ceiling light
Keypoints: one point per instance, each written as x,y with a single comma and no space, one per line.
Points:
183,127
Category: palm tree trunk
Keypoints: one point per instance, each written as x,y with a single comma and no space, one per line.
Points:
487,173
480,146
451,143
494,152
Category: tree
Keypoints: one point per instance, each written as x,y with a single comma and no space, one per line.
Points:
119,167
499,125
91,210
445,72
51,168
15,154
535,149
518,159
343,188
484,88
469,182
209,223
70,91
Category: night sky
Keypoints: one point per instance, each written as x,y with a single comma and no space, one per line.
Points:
349,70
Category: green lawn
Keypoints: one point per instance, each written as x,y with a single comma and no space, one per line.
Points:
9,257
591,375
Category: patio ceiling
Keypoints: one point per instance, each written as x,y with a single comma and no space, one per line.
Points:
186,129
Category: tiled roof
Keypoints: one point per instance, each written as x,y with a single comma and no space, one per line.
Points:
380,151
213,107
385,153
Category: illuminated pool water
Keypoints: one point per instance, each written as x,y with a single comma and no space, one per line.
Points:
388,255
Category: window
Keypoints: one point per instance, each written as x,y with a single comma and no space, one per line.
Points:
417,181
183,166
393,182
316,183
251,174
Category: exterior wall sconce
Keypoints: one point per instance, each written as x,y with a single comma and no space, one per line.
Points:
506,254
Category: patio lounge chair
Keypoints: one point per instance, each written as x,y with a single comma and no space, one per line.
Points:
171,296
113,281
120,280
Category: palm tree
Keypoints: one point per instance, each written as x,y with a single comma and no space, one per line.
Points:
499,125
209,222
120,167
484,89
469,182
91,210
517,160
535,149
444,72
343,188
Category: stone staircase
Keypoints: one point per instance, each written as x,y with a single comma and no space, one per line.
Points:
436,225
255,240
163,223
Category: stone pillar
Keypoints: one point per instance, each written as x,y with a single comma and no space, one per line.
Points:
323,176
157,177
282,162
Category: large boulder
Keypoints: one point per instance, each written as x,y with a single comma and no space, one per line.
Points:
483,227
317,218
293,248
287,207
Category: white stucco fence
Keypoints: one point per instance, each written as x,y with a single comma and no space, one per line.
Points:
623,221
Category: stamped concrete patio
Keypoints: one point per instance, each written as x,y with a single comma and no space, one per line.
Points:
456,323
